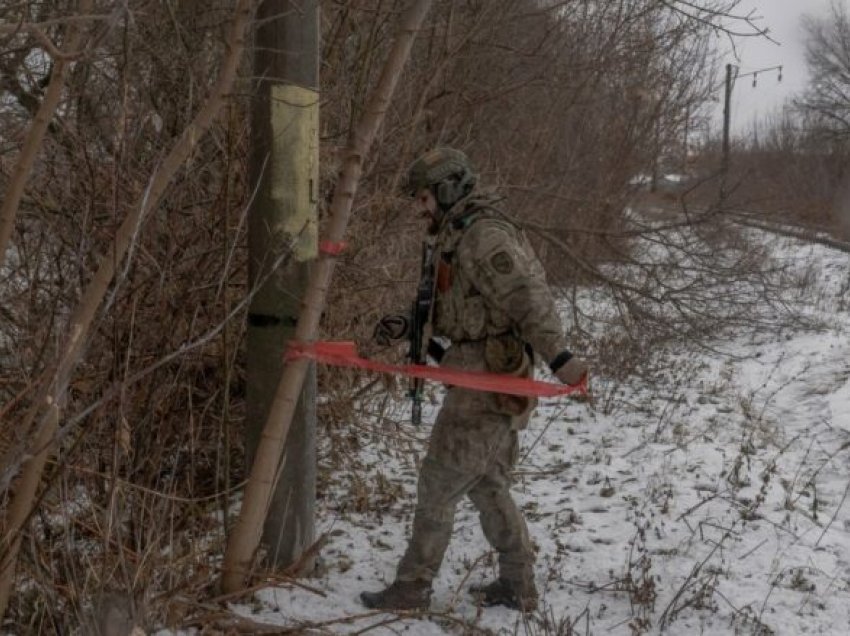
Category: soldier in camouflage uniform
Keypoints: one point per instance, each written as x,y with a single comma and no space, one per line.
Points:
493,303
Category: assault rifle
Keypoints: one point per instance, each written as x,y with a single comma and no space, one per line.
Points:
419,318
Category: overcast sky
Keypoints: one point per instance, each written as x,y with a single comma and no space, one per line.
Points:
783,19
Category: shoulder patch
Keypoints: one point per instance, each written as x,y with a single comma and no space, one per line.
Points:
502,262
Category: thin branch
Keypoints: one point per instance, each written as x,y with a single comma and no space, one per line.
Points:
35,137
52,396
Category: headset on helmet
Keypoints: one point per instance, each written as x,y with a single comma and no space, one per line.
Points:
446,170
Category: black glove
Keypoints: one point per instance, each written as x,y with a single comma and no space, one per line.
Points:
391,328
573,372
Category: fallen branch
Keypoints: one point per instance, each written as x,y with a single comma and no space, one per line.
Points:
801,234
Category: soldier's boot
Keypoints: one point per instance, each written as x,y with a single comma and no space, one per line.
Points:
518,596
401,595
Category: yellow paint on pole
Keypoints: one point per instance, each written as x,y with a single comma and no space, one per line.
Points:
295,174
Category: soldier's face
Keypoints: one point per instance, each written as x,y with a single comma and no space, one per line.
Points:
426,206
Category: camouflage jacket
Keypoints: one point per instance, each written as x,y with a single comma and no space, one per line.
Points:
491,285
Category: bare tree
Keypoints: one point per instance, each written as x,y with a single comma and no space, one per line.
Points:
50,398
35,134
827,98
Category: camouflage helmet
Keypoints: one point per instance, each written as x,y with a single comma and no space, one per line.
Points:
448,170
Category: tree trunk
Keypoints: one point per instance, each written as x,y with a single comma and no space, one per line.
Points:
282,242
243,541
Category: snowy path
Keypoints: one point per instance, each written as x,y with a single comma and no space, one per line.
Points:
711,500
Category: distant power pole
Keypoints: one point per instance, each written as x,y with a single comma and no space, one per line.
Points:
282,243
727,119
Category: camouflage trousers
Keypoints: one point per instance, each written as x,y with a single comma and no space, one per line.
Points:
471,452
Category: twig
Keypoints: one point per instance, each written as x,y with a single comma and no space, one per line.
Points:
665,615
834,514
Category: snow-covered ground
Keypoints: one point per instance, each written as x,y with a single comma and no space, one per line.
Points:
710,498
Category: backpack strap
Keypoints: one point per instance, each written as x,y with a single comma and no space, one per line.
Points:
481,210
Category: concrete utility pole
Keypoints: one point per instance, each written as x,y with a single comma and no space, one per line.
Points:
245,536
282,243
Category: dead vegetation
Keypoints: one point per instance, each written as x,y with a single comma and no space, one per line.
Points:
560,105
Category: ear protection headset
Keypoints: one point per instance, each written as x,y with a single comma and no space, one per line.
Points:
454,187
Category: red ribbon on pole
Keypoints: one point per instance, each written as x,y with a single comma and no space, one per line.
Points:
332,249
344,354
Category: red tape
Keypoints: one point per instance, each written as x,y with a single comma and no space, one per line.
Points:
332,248
344,354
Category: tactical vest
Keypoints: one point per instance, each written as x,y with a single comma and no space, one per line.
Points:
461,313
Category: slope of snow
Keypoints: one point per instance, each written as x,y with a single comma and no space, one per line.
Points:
706,497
